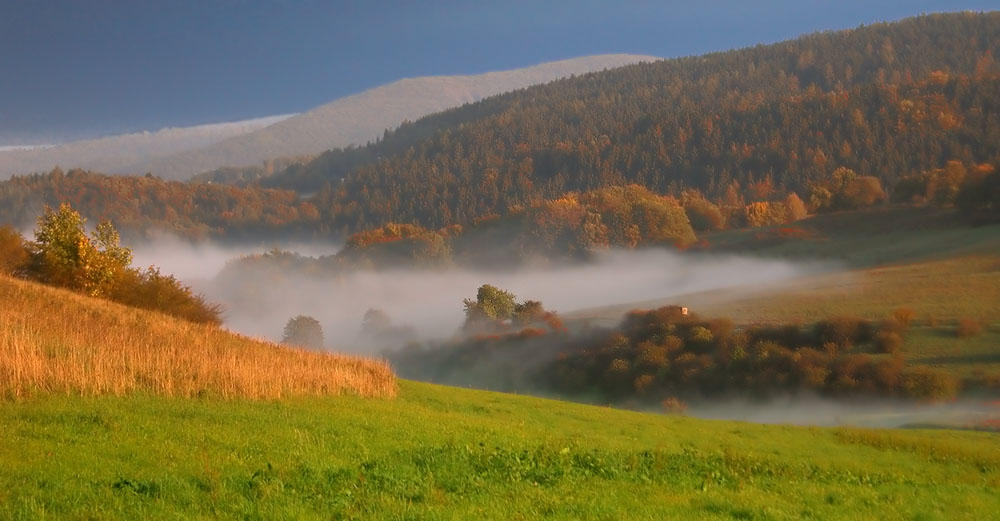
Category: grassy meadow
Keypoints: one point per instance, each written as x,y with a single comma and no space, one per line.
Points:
53,340
876,236
446,453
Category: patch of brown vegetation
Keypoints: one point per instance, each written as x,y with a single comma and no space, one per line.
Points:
56,341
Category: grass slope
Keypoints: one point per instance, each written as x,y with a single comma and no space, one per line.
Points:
52,340
880,235
897,256
446,453
69,451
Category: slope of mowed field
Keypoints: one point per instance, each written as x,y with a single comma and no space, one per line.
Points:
940,290
53,340
865,238
939,293
447,453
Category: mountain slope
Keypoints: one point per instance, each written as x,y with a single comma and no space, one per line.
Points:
885,101
357,119
115,153
179,153
746,126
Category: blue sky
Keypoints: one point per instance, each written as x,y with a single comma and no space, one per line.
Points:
74,69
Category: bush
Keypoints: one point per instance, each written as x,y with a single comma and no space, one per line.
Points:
672,405
152,290
888,342
968,327
904,316
928,384
491,303
303,331
844,331
795,208
13,253
978,198
63,255
644,384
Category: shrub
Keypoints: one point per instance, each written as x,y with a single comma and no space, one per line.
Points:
845,331
904,315
491,303
13,253
928,384
968,327
644,384
672,405
795,208
701,335
887,373
63,254
977,198
528,312
149,289
703,214
304,331
888,342
845,190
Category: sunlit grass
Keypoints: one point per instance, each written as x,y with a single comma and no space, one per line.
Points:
942,290
446,453
57,341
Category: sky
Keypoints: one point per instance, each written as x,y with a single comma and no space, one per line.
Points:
74,69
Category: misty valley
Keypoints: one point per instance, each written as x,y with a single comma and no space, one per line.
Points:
611,332
757,283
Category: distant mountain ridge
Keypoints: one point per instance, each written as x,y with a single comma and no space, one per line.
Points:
351,120
116,153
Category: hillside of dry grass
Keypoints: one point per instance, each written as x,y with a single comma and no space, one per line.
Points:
61,342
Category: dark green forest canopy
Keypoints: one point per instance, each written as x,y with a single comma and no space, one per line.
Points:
887,100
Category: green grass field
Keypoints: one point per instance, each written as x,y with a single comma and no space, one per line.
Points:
434,452
445,453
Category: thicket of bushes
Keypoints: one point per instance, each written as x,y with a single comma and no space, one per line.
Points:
660,353
64,255
665,353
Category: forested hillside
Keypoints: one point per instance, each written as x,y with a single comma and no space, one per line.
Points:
883,100
141,204
752,125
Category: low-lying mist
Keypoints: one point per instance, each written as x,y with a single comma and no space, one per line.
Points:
194,263
430,300
810,409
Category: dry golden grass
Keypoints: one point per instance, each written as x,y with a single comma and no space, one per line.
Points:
57,341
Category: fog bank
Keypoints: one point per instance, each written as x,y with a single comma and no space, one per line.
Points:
431,300
196,262
806,409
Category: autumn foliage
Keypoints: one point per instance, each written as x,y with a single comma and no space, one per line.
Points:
663,353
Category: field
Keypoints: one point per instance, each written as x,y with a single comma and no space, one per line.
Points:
445,453
114,413
53,340
876,236
920,259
